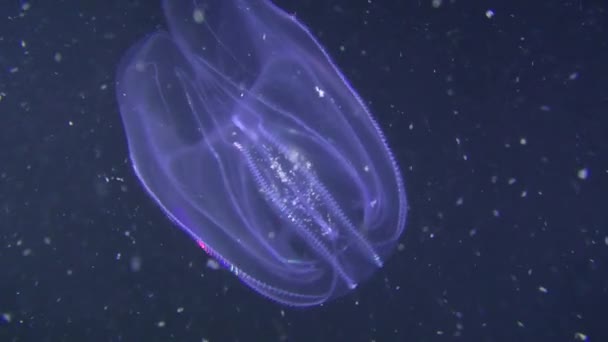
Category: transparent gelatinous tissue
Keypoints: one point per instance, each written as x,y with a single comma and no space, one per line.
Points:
251,140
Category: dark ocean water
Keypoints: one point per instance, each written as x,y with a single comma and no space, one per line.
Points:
497,113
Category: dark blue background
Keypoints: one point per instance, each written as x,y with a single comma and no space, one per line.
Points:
86,255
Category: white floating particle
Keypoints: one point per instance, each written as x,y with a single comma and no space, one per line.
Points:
523,141
543,289
213,264
579,336
180,309
198,15
583,173
320,92
573,76
490,14
57,57
161,324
